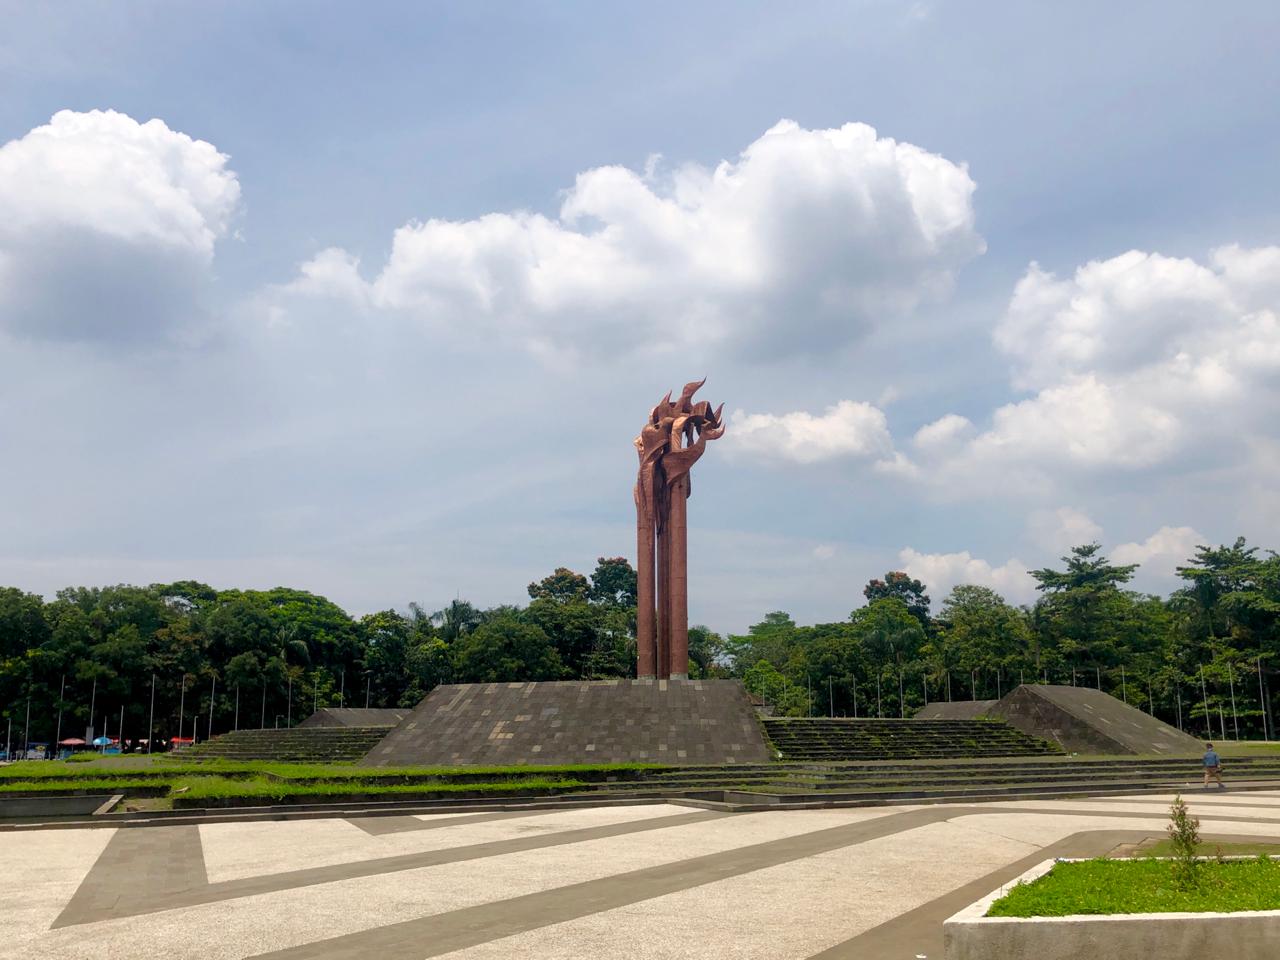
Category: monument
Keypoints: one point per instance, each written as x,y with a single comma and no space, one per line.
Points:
661,716
669,444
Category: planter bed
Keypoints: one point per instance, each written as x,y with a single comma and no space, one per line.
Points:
374,796
1185,935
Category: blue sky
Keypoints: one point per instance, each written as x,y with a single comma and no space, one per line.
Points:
377,305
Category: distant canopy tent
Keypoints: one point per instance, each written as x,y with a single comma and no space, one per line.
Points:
72,742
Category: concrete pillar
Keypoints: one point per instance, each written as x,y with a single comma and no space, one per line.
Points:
646,634
663,603
678,599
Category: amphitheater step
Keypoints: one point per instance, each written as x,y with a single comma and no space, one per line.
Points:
294,745
827,739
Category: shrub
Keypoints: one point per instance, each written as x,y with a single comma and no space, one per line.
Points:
1184,834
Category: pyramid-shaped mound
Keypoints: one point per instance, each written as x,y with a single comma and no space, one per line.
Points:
1084,720
604,721
355,717
956,710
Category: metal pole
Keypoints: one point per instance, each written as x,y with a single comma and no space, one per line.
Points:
262,722
151,723
120,732
93,703
973,684
1151,703
342,688
368,688
1262,702
1124,689
61,694
237,707
999,695
948,673
315,693
1177,692
1098,671
1204,700
26,731
855,697
8,741
902,707
831,697
1235,717
182,705
1222,721
213,691
879,711
288,716
924,685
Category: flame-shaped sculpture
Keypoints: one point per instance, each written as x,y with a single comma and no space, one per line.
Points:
669,444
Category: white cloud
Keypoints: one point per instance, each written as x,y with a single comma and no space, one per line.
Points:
942,571
849,429
107,226
1061,529
824,551
1167,548
798,244
1134,362
946,431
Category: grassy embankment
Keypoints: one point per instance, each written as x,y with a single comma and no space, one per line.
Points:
167,782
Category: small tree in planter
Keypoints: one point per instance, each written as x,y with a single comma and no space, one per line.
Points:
1184,833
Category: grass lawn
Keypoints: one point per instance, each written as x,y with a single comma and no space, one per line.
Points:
1143,886
164,781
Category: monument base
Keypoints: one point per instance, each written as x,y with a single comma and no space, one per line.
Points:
674,721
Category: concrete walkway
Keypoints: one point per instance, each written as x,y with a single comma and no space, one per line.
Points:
657,881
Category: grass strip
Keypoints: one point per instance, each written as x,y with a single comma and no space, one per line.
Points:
1143,885
198,791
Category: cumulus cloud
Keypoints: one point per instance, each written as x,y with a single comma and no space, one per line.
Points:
1132,363
798,244
1166,549
1061,529
942,571
848,430
107,226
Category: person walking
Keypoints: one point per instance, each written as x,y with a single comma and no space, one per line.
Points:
1212,767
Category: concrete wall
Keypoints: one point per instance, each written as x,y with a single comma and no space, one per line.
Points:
970,935
1084,720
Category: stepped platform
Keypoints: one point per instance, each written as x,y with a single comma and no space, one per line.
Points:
817,739
355,717
608,721
293,745
1084,720
955,710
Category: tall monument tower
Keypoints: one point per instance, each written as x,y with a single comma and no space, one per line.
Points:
669,445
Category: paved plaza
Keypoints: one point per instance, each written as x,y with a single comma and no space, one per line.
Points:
660,881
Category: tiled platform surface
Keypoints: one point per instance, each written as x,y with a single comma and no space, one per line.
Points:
651,882
611,721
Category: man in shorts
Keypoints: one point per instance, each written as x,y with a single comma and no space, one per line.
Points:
1212,767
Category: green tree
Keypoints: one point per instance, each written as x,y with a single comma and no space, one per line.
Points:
506,650
897,585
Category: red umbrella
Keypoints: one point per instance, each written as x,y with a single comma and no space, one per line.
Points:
71,742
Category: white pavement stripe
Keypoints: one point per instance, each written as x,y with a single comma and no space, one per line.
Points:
39,872
258,924
233,851
785,912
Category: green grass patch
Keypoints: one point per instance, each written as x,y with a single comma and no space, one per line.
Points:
221,791
1143,886
125,785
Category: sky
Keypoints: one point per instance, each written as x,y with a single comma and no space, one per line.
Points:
371,299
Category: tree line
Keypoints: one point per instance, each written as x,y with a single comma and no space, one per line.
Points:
1202,658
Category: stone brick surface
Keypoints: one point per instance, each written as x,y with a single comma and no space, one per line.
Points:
956,710
609,721
1085,720
355,717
